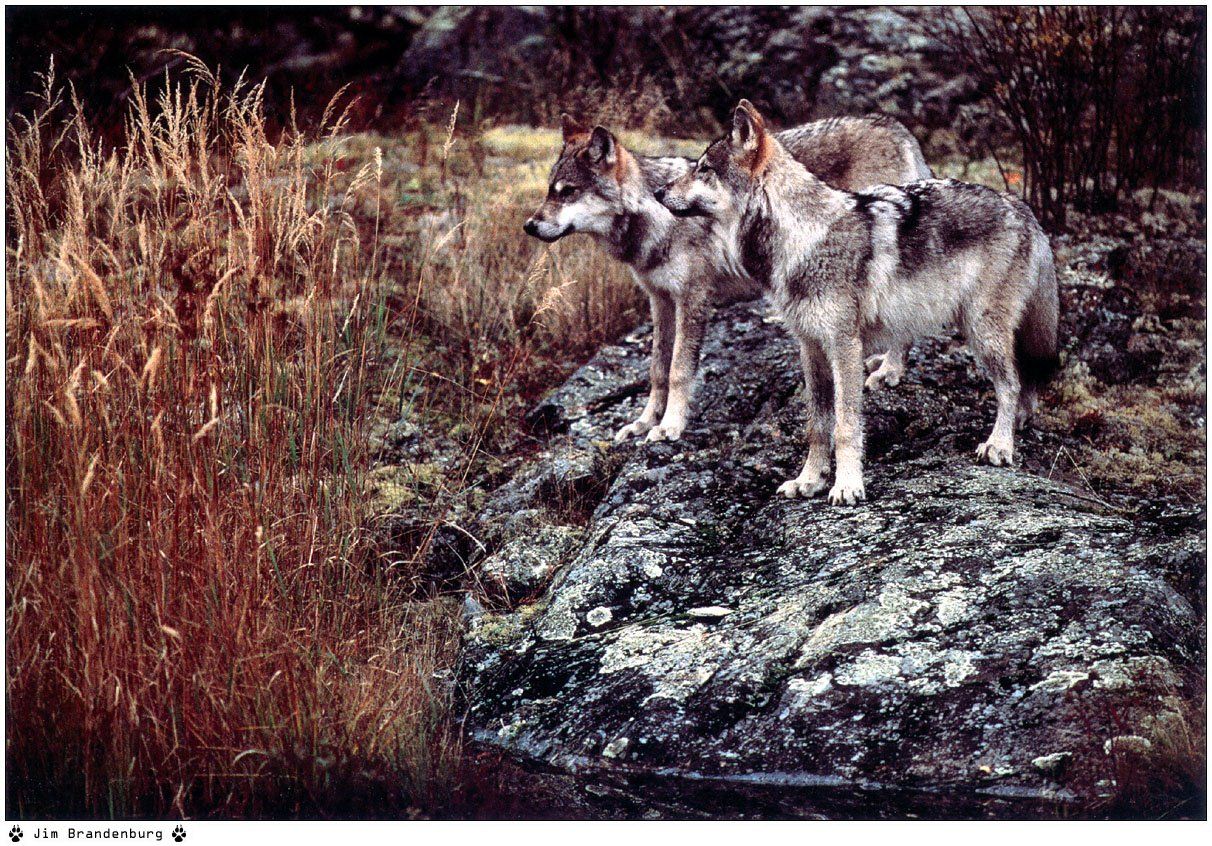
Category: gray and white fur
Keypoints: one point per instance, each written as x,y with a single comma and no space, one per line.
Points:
600,188
852,272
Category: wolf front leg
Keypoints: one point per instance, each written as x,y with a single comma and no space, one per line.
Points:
663,320
691,311
846,364
818,398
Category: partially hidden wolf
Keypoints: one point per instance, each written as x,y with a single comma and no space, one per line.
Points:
600,188
877,269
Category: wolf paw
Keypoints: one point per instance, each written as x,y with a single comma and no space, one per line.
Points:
665,432
995,454
847,493
632,430
884,377
885,372
807,488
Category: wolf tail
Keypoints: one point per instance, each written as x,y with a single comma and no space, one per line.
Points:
1035,340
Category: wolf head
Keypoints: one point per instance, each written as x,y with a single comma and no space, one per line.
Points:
585,190
727,173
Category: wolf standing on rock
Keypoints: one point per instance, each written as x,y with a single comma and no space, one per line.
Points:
878,269
600,188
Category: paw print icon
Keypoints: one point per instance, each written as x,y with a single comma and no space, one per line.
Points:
178,834
15,833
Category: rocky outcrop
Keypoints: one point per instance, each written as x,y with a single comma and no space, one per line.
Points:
796,63
970,642
474,44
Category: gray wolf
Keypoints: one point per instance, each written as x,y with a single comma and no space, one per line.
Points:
600,188
855,271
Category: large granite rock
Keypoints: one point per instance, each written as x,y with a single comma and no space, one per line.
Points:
970,642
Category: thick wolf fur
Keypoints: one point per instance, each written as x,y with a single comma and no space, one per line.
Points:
857,271
600,188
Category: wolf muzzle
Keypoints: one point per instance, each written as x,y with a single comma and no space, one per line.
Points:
661,195
533,228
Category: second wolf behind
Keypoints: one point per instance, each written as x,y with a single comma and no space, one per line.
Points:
600,188
874,269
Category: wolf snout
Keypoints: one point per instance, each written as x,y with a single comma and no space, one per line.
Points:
660,193
545,230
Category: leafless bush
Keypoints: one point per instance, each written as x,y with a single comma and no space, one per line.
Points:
1101,100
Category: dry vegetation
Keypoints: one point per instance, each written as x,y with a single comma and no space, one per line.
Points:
1122,75
203,328
192,330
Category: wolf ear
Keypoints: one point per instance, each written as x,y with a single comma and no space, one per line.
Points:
603,149
574,130
748,127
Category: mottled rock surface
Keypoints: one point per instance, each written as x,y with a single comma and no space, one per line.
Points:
970,642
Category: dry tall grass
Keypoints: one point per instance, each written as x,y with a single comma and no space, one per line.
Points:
193,324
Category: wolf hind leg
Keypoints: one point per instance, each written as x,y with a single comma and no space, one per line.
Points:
818,398
887,368
995,351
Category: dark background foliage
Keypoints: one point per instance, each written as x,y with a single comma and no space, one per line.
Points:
1100,100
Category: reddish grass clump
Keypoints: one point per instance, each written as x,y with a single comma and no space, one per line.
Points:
192,328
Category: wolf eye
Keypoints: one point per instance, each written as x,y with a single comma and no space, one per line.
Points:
705,170
566,191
